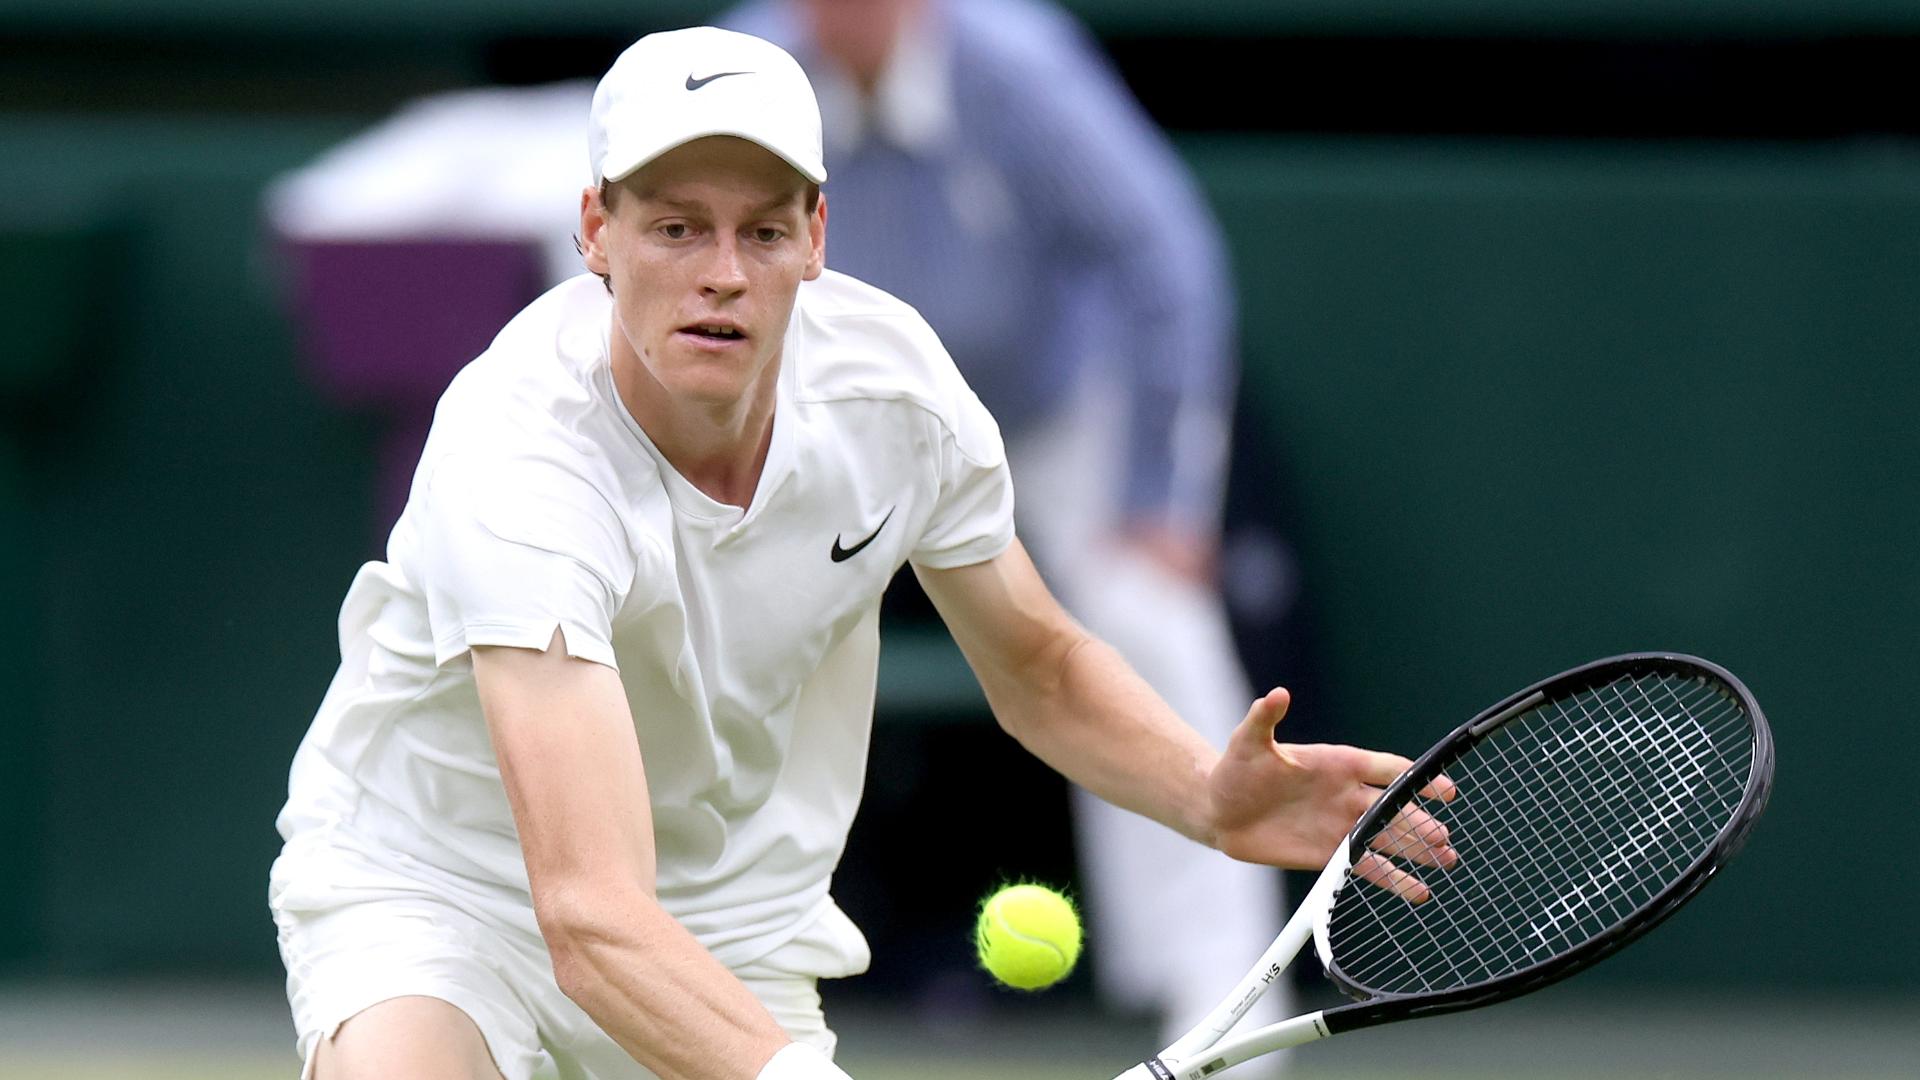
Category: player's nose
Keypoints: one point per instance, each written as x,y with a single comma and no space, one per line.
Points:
723,272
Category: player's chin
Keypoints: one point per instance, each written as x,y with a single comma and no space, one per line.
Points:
708,380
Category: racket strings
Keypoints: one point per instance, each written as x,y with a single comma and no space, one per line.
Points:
1616,795
1527,839
1569,818
1493,951
1607,893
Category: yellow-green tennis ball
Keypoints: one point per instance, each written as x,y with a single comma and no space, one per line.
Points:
1028,936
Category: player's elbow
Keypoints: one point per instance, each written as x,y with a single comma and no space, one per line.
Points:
1033,688
573,975
568,935
582,937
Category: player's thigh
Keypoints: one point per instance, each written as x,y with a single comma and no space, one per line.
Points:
357,938
423,1038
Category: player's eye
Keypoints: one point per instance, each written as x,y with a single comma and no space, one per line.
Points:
767,234
675,230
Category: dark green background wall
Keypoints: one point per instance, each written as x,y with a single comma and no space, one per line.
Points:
1540,404
1519,404
191,510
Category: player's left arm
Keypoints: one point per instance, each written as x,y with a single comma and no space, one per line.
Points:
1073,702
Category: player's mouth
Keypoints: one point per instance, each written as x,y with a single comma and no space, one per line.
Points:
715,334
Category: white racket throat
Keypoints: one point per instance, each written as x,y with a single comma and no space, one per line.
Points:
1208,1040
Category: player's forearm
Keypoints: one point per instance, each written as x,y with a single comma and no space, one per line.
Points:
1070,698
657,991
1083,711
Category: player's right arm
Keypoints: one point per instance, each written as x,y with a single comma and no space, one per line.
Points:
571,765
513,543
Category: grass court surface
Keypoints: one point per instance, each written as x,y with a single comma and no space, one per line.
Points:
239,1031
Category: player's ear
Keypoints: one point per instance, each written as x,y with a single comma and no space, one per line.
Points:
594,217
817,234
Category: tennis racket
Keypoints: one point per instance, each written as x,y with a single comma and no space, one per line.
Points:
1590,807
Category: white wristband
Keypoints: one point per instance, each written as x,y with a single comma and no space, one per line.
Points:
797,1061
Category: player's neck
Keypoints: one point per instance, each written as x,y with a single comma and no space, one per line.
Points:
719,448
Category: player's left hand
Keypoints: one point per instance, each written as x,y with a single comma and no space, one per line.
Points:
1291,804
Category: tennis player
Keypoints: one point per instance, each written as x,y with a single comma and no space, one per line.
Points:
573,802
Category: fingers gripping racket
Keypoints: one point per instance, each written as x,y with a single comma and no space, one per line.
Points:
1590,807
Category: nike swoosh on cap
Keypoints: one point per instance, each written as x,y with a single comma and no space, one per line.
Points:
695,84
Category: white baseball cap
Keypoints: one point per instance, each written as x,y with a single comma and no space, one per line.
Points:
676,86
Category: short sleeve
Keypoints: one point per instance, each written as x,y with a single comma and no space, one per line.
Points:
516,549
972,518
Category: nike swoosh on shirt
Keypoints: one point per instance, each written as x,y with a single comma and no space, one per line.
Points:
695,84
842,554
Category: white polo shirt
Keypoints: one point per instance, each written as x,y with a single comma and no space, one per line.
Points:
747,641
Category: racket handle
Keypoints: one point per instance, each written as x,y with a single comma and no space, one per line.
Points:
1138,1072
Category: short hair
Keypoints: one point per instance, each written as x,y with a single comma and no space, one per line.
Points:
608,187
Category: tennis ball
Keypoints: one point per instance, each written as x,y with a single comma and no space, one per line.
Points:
1028,936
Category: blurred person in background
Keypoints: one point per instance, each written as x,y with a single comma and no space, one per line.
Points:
990,168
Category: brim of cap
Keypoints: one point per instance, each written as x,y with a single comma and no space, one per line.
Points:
815,173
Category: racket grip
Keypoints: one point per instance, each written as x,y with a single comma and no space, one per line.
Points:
1138,1072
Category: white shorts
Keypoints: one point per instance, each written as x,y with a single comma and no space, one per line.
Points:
354,933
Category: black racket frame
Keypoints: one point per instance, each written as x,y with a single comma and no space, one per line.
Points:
1373,1008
